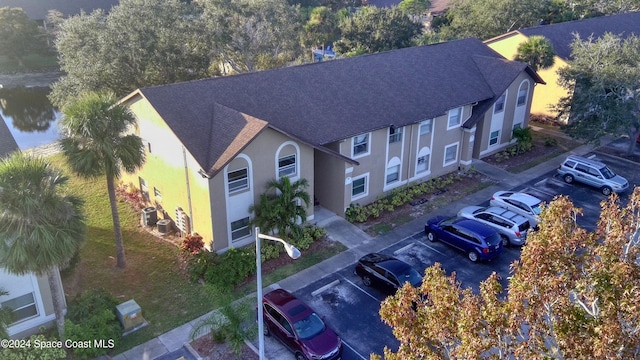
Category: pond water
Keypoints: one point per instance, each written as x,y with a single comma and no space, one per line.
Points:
31,118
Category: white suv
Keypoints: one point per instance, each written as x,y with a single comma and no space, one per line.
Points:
511,226
592,172
520,203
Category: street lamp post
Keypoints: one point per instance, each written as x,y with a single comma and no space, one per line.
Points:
293,253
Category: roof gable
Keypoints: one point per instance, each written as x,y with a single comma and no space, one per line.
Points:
561,34
325,102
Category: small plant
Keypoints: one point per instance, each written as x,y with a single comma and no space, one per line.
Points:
192,244
549,141
34,353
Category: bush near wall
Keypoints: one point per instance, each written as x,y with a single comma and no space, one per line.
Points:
400,196
233,267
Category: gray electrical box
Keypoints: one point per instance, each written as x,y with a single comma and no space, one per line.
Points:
130,315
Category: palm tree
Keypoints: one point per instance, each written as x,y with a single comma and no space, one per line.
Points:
96,143
41,227
280,206
537,51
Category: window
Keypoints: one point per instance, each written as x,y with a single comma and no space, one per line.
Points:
287,165
144,188
359,187
498,107
393,174
493,138
395,134
240,228
23,307
450,154
157,193
425,127
238,180
517,126
360,144
523,92
455,116
423,164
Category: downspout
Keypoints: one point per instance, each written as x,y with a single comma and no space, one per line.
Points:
186,176
462,133
410,152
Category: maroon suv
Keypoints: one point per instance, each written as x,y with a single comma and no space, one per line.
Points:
298,327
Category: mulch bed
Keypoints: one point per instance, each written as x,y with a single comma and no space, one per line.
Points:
208,349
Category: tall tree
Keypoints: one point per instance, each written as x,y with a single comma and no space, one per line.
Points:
489,18
139,43
537,51
281,206
250,35
19,35
414,7
374,29
572,295
603,78
97,142
321,28
41,225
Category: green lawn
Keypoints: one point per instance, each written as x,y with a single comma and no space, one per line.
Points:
153,277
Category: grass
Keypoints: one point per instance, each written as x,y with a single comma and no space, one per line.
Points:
153,277
32,63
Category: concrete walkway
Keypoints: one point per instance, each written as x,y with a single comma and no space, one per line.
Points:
358,243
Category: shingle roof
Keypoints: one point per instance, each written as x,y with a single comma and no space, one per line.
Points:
324,102
561,34
37,9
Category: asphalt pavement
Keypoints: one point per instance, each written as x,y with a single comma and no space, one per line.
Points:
175,343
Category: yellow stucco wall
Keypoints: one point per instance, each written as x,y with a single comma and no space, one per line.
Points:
172,170
545,96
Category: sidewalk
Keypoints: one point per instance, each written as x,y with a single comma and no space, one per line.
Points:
171,345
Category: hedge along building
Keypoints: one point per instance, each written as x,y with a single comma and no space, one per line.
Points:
353,128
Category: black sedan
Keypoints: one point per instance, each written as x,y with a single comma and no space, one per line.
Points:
386,272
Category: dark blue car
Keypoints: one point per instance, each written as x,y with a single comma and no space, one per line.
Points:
479,241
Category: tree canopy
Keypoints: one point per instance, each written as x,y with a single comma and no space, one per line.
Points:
374,29
139,43
537,51
604,80
572,295
19,35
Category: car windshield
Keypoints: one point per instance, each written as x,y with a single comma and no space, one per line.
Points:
410,275
536,208
607,173
309,327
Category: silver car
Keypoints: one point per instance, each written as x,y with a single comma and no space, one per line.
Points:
520,203
512,227
592,172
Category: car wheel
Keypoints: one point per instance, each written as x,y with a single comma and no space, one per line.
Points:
606,191
366,280
299,356
473,256
568,178
505,241
431,236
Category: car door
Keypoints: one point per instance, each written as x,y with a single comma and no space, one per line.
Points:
392,282
280,327
582,172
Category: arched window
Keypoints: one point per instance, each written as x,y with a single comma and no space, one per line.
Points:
523,93
393,171
423,160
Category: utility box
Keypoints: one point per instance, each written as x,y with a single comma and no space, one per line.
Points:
130,315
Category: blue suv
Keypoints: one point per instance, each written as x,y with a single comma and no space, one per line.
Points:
478,240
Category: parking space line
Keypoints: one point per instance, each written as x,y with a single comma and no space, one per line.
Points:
354,350
403,249
325,287
361,289
432,248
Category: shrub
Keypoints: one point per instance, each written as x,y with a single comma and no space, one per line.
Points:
233,267
549,141
33,352
192,244
91,316
200,262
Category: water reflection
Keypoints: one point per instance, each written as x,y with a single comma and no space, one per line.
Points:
29,115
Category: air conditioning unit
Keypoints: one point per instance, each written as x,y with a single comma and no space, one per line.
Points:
164,226
149,216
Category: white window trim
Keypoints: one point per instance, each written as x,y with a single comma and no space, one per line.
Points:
366,187
497,138
234,191
295,176
243,237
368,152
526,98
397,135
449,127
424,123
421,153
444,157
286,167
504,102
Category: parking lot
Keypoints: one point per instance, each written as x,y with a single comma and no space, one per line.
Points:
351,308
